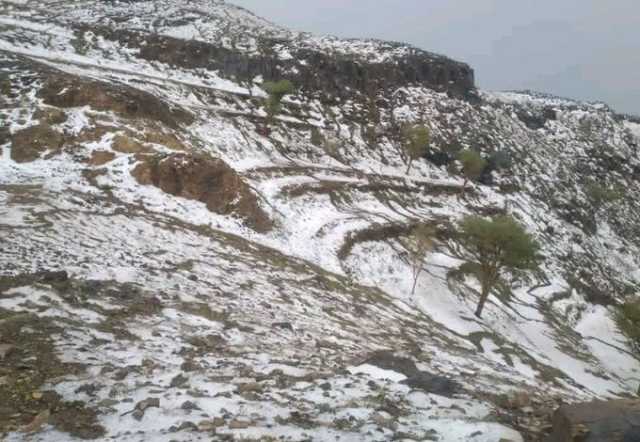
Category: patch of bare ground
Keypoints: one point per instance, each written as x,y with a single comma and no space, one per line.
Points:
28,362
101,157
29,144
66,91
205,179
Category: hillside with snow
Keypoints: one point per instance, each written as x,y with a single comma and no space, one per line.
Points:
227,280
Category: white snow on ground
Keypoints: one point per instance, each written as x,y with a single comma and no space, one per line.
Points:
357,298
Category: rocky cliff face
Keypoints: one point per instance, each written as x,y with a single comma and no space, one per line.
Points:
227,281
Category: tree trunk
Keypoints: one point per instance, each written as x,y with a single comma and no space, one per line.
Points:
408,167
464,188
415,281
483,300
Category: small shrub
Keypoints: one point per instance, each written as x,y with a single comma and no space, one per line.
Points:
276,91
416,143
600,194
472,166
331,147
316,137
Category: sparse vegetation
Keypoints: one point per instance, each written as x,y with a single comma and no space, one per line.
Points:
472,166
422,242
493,246
416,143
627,318
331,147
600,194
316,137
277,91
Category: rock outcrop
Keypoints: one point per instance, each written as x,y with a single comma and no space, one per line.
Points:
67,91
311,70
597,421
205,179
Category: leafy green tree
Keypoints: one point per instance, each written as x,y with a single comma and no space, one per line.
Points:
422,242
627,318
472,166
494,246
276,91
416,143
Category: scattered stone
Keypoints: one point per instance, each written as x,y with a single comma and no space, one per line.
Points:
283,325
389,361
190,406
89,389
211,425
252,387
78,420
179,381
53,277
37,395
326,386
239,424
384,420
184,426
142,406
122,373
189,366
435,384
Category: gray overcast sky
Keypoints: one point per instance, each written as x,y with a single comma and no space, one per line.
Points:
587,49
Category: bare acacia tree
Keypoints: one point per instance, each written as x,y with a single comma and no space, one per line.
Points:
422,242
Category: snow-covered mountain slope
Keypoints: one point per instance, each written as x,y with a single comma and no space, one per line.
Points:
228,281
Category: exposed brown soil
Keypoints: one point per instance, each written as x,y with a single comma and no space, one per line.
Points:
206,179
101,157
71,91
29,364
50,115
126,144
28,144
155,135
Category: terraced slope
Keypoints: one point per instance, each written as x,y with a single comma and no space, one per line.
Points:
228,282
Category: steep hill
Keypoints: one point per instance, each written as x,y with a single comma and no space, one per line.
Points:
173,267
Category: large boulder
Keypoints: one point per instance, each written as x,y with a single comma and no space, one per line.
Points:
597,421
206,179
